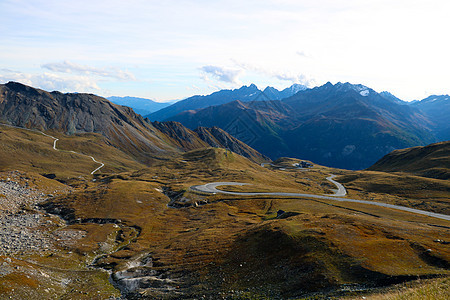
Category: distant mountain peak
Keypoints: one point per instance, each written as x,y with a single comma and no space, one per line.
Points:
245,94
142,106
387,95
364,90
434,98
249,87
437,109
296,87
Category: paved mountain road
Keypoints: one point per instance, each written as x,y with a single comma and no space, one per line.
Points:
54,145
212,188
341,191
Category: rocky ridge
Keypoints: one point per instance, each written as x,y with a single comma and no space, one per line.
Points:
27,107
202,137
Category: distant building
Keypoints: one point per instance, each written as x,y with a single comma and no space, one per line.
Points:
304,164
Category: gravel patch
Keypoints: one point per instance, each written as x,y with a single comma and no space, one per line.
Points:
24,230
13,196
19,233
68,237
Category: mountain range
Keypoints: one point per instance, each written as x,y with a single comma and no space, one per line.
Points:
141,106
76,113
97,202
342,125
244,94
437,109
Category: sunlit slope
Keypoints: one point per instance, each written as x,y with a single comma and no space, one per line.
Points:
32,151
237,246
430,161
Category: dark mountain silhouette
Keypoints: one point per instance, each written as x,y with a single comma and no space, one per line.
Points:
244,94
258,123
341,125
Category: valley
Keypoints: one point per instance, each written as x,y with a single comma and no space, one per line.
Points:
83,216
224,150
216,244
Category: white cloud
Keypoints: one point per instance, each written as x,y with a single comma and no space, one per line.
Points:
281,75
303,54
72,68
51,82
193,88
66,77
223,74
54,82
382,44
295,78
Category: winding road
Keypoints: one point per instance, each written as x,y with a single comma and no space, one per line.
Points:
54,145
341,191
212,189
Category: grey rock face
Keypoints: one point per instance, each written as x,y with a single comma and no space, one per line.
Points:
25,106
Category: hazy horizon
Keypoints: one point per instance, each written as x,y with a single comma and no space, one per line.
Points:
175,49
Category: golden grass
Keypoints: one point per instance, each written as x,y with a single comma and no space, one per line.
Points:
328,235
31,151
430,161
432,289
28,280
402,189
322,244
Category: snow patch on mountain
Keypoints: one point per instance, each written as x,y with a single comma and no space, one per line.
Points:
364,93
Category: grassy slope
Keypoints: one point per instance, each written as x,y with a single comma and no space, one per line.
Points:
432,289
33,281
234,245
237,244
32,151
430,161
402,189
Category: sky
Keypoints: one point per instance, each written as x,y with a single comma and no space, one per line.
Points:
167,50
